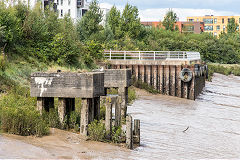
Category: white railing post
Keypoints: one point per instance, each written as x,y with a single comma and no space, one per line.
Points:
154,55
139,55
110,57
168,55
124,55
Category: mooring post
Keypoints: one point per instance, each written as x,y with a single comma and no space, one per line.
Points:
108,116
129,132
136,131
84,116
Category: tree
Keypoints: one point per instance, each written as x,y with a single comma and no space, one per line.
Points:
169,20
89,24
232,26
130,22
113,21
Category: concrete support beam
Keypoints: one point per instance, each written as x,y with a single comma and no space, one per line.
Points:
86,102
108,115
62,108
45,103
123,93
129,132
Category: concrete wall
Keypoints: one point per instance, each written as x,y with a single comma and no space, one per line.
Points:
67,85
117,78
166,78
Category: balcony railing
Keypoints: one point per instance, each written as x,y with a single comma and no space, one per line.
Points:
151,55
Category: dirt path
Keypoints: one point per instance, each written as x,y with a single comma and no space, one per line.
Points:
58,145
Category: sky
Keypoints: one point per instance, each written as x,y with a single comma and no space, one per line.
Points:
154,10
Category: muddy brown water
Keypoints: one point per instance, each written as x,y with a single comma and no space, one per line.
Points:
171,128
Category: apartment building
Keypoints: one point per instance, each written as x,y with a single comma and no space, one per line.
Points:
214,24
184,27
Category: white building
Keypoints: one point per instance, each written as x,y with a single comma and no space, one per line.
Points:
75,8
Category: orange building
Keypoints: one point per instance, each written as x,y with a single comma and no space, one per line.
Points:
184,27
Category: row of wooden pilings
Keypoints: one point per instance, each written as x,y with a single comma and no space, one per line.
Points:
166,78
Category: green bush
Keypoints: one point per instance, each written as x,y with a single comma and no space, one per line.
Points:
131,95
51,118
116,134
97,131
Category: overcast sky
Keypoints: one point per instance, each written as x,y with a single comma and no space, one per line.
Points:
154,10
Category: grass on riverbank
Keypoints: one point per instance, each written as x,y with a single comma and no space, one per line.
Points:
225,69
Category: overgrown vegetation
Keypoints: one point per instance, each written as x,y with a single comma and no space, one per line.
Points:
225,69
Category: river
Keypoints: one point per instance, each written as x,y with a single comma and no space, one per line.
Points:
171,128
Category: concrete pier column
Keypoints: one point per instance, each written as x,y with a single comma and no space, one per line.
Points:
173,80
160,74
136,132
85,116
108,115
62,108
97,108
118,111
155,76
129,132
123,93
40,104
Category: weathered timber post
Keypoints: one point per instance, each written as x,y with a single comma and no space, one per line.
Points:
148,74
142,73
123,93
178,81
129,132
192,85
117,111
136,132
173,80
155,76
161,78
108,115
166,80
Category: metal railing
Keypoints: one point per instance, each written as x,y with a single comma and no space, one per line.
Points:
151,55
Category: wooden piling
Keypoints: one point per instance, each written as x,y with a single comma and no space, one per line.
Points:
173,80
161,78
129,132
155,76
178,82
136,132
118,111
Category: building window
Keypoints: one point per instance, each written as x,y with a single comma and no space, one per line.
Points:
224,27
223,21
69,12
208,21
79,2
61,13
84,11
208,28
57,2
69,2
218,28
79,13
215,33
61,2
215,20
191,20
